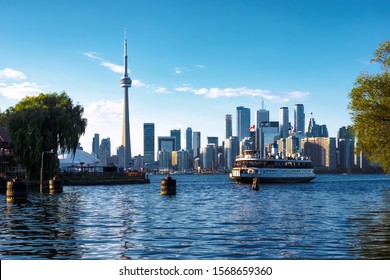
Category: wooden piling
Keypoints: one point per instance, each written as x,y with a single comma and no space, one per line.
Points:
255,184
55,185
168,186
16,191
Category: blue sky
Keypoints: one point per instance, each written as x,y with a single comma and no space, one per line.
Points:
191,62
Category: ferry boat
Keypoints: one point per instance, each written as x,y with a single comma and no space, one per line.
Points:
271,169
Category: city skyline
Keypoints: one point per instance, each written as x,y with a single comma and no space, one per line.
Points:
191,63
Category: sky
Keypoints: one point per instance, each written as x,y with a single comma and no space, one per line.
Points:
191,61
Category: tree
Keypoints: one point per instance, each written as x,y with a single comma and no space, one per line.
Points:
46,122
370,105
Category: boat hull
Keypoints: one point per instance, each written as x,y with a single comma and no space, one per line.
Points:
246,176
285,180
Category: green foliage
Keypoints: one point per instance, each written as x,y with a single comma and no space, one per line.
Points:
370,105
47,122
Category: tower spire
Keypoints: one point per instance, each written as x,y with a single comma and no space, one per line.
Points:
125,54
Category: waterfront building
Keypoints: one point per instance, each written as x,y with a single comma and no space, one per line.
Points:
164,161
177,134
95,145
138,162
120,151
105,151
293,145
149,143
189,139
315,130
231,151
166,143
243,122
322,151
208,155
346,154
196,143
174,160
345,145
299,119
212,140
262,116
284,125
182,161
228,126
125,82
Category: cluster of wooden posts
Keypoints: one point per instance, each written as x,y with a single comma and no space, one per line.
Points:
17,190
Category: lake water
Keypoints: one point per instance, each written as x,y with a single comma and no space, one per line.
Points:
333,217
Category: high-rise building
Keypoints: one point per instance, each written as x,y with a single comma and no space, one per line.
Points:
120,153
164,160
345,145
182,160
196,143
177,134
322,151
299,119
149,143
243,122
231,151
189,139
105,151
208,154
95,145
212,140
166,143
228,126
126,83
284,125
262,116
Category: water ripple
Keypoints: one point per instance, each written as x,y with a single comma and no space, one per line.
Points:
334,217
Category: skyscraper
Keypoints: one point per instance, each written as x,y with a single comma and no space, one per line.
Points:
126,83
299,119
196,143
188,139
149,143
243,122
228,126
177,134
283,122
166,143
231,151
95,145
262,115
105,151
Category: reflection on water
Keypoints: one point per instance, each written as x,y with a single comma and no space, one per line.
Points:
334,217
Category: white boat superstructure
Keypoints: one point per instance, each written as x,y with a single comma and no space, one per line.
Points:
271,169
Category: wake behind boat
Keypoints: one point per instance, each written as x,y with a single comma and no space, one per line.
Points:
271,169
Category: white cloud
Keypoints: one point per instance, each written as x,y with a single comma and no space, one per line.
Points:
12,74
20,90
92,55
179,70
161,90
137,83
104,112
244,91
113,67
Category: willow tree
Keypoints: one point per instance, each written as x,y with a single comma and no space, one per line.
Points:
43,123
370,105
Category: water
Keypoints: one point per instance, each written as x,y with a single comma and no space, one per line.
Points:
334,217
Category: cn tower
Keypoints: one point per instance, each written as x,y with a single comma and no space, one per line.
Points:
126,83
